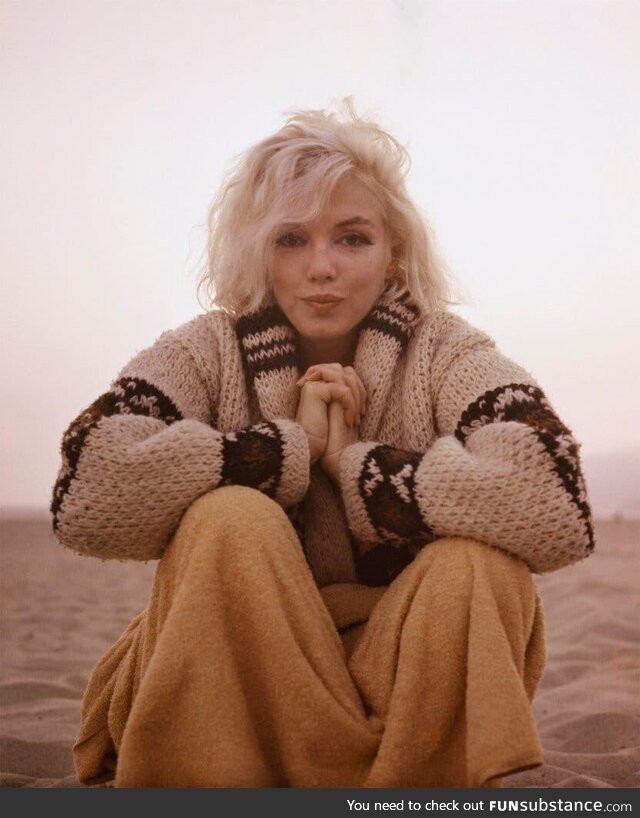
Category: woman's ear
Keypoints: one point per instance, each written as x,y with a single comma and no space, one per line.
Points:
393,272
392,269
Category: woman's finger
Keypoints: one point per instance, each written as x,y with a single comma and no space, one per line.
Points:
357,387
322,372
343,395
328,392
335,373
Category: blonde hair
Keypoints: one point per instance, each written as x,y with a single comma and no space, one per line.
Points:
290,177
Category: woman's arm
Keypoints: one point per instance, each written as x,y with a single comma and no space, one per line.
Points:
504,469
134,461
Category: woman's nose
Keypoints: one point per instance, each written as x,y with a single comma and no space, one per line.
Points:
321,265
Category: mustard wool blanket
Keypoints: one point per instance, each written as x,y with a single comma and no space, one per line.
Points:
242,673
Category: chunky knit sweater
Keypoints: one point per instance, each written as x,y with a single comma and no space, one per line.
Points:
457,440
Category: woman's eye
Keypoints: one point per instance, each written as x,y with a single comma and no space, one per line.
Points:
355,239
289,240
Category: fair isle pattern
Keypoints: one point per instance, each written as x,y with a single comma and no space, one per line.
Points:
267,342
242,371
393,317
253,457
387,485
128,396
527,404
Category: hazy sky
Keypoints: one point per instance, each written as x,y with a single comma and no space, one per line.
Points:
118,118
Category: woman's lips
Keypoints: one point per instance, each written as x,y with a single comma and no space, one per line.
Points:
323,299
323,303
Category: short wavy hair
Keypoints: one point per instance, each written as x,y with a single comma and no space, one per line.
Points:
289,177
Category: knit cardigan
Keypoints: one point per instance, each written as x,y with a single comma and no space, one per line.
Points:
457,440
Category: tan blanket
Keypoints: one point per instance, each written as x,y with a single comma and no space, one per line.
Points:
237,675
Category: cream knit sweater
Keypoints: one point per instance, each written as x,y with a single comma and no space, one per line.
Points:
457,441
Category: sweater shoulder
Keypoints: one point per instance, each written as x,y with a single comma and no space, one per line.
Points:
202,332
446,333
183,363
200,340
439,339
460,357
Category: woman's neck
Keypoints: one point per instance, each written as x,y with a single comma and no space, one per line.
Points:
341,351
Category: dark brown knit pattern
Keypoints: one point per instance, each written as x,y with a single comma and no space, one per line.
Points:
395,319
267,342
387,485
128,396
527,404
253,457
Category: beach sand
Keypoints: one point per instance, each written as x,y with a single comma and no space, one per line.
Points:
59,612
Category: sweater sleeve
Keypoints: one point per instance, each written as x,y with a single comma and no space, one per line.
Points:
503,470
139,455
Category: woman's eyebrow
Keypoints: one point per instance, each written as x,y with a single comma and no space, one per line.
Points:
356,220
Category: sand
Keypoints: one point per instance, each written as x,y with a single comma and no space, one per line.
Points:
59,612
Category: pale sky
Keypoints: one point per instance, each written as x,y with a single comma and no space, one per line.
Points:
118,118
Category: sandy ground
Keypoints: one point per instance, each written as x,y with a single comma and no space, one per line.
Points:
59,612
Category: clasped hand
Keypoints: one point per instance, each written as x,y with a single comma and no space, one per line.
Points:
332,402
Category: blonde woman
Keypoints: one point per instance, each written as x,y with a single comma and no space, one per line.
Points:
347,488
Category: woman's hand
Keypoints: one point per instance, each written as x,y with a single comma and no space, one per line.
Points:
340,435
336,373
332,401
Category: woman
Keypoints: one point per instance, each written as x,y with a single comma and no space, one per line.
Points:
347,487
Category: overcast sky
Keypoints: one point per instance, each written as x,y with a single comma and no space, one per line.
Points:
118,118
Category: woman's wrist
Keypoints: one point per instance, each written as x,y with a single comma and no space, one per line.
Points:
330,464
316,447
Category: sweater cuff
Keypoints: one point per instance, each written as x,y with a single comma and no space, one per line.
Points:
378,489
272,457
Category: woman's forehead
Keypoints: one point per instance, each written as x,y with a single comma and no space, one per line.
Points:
350,203
351,193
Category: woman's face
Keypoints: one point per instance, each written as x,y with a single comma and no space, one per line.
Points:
327,274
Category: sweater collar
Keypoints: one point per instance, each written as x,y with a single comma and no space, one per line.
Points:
272,362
